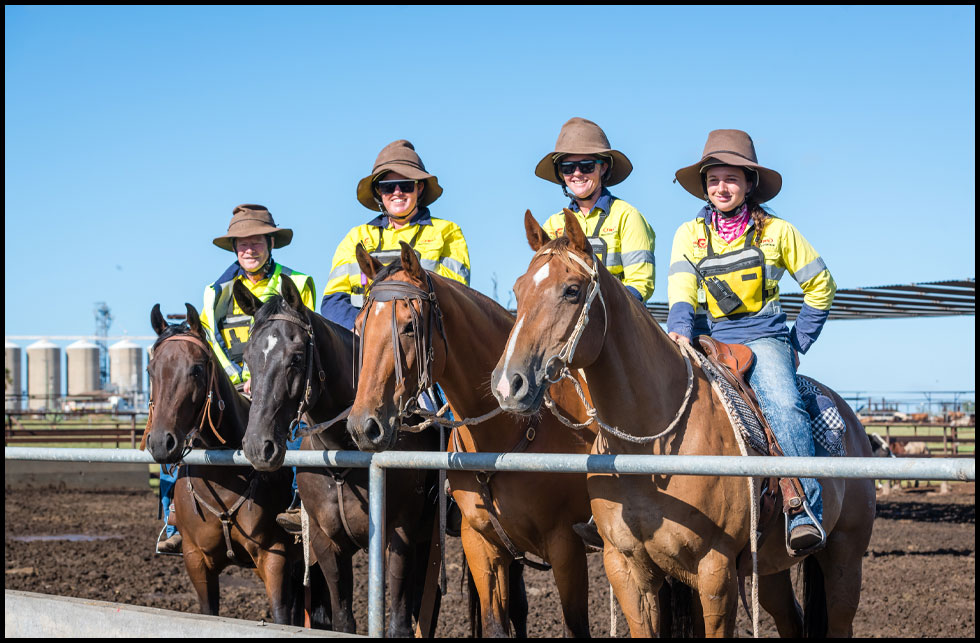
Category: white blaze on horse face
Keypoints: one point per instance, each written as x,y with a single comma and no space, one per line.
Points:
270,344
503,386
541,274
378,307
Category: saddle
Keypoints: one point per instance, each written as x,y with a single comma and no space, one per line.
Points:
733,361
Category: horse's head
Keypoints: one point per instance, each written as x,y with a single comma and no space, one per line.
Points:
557,325
183,372
281,357
402,347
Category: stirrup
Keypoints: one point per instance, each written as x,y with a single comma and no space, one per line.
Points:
799,553
160,538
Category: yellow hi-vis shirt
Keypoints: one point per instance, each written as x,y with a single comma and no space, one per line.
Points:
227,326
439,243
628,238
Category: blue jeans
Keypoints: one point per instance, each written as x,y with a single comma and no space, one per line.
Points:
167,483
293,445
773,376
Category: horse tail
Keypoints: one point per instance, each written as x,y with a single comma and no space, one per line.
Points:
676,609
814,600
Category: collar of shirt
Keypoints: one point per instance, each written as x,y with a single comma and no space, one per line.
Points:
235,270
604,203
422,217
706,213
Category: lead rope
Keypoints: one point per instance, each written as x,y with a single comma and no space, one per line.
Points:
753,502
304,519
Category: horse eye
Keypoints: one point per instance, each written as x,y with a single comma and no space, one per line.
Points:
571,292
296,360
409,329
196,370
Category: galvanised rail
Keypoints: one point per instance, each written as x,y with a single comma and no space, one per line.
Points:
867,468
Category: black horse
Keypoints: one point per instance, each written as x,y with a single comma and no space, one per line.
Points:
301,364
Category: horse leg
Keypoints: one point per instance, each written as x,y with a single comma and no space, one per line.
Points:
399,567
638,599
716,588
270,565
571,572
777,598
338,573
489,568
517,592
204,577
840,564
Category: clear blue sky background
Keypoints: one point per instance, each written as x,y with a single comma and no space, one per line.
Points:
131,133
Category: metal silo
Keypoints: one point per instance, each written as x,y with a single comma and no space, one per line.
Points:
12,390
84,376
43,375
126,367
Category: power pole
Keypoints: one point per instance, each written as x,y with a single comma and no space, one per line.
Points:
103,319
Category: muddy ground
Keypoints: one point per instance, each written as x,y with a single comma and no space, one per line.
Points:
919,575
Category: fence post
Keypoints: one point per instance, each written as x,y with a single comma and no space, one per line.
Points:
132,431
376,554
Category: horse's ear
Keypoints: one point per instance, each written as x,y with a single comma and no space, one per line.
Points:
248,302
410,262
369,265
536,236
291,294
193,319
575,233
157,321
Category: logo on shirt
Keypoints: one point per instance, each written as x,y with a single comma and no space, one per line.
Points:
609,230
701,243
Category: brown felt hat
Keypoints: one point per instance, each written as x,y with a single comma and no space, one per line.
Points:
730,147
581,136
400,157
249,219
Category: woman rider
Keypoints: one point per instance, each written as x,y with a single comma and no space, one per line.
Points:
736,240
584,166
400,190
252,235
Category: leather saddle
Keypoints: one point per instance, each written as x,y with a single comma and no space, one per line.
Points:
733,361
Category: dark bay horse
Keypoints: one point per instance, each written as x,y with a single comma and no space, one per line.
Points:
301,363
194,401
692,528
462,332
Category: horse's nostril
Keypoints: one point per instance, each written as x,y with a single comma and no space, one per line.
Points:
372,431
171,442
516,385
268,450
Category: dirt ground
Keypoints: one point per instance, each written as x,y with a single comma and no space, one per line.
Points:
919,575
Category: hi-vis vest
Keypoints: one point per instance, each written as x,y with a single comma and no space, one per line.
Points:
439,244
744,270
227,327
621,238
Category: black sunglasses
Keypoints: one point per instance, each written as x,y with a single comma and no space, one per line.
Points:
587,167
388,187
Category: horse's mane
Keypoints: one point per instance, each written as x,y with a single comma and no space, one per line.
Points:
171,330
274,305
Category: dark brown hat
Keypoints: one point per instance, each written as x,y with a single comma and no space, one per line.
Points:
730,147
581,136
250,219
400,157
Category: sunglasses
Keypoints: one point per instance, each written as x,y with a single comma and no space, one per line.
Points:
388,187
587,167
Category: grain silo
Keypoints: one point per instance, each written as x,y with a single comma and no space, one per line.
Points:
12,390
84,372
43,375
126,367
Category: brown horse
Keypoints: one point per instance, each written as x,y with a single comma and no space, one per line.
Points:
692,528
300,363
226,515
462,332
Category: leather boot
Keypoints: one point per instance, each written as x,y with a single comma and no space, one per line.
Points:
803,537
454,519
291,521
170,545
589,534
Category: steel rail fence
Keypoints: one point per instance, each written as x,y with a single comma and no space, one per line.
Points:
866,468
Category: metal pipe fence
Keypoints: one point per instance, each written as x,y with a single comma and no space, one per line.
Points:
867,468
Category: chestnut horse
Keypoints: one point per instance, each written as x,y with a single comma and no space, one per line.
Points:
194,401
300,363
461,332
692,528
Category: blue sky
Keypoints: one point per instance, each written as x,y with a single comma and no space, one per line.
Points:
131,133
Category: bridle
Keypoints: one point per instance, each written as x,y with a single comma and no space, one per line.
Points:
205,413
394,291
312,355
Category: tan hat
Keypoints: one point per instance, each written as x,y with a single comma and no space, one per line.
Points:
730,147
249,219
581,136
400,157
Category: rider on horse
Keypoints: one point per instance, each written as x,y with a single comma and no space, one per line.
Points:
252,235
621,237
741,250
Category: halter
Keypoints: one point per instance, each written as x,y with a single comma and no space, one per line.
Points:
213,393
395,291
311,355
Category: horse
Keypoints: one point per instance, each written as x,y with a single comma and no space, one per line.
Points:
300,363
226,515
692,528
453,338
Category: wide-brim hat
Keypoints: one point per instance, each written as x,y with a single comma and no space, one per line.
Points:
730,147
581,136
400,157
250,219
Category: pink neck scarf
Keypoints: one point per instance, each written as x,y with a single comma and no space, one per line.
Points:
731,228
